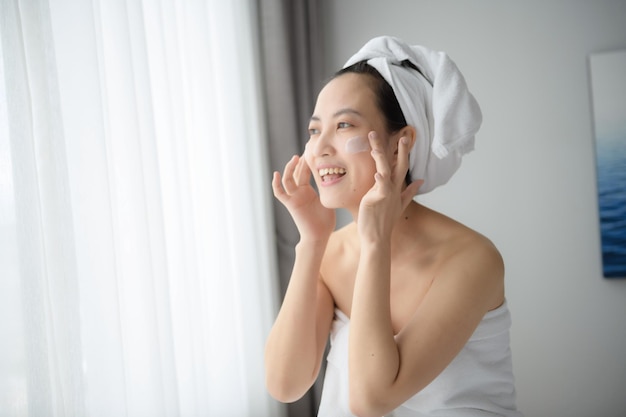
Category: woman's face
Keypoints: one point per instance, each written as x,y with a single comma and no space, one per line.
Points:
337,150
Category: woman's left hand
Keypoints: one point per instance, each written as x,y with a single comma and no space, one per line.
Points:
383,204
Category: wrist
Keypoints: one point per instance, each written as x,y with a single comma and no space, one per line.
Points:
375,246
377,240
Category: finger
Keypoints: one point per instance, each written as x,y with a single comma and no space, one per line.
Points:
296,170
382,165
402,163
303,172
289,184
375,141
279,192
410,192
382,186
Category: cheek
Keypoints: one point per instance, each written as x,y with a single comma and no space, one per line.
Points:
363,172
364,167
357,144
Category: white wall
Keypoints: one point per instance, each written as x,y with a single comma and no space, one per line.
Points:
530,184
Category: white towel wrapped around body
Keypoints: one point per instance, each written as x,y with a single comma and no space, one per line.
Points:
436,103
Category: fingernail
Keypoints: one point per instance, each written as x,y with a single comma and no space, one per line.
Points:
404,140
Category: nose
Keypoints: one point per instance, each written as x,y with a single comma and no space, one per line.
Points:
322,145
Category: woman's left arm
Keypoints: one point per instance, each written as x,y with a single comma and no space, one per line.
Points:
374,357
385,370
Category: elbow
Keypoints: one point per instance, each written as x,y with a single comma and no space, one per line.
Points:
363,409
285,382
283,389
362,404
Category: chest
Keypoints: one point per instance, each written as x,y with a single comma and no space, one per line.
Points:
410,279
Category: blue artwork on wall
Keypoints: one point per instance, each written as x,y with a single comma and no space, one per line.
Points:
608,89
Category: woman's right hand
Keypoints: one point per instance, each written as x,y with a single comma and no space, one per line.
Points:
314,221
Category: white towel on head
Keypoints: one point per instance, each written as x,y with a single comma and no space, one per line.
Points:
436,103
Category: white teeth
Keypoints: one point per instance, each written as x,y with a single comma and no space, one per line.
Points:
328,171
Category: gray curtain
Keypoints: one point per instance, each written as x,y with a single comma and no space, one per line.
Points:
291,55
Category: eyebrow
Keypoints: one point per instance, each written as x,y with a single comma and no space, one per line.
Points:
339,113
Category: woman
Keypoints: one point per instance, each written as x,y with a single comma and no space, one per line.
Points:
414,301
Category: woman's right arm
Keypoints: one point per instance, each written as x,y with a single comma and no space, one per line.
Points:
296,343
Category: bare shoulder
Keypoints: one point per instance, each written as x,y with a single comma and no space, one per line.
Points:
468,243
342,242
340,237
472,261
463,258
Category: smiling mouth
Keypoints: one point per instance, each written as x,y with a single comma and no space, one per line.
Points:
331,174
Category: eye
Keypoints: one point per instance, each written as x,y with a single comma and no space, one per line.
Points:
313,131
343,125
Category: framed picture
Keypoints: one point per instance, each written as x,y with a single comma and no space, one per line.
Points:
608,91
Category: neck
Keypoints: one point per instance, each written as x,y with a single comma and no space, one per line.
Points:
401,233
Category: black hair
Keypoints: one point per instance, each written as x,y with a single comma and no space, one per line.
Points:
386,99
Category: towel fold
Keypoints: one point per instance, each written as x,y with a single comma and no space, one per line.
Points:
434,100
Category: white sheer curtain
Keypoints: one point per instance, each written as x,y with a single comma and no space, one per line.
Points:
136,261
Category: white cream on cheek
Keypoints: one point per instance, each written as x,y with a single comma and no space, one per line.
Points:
357,144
